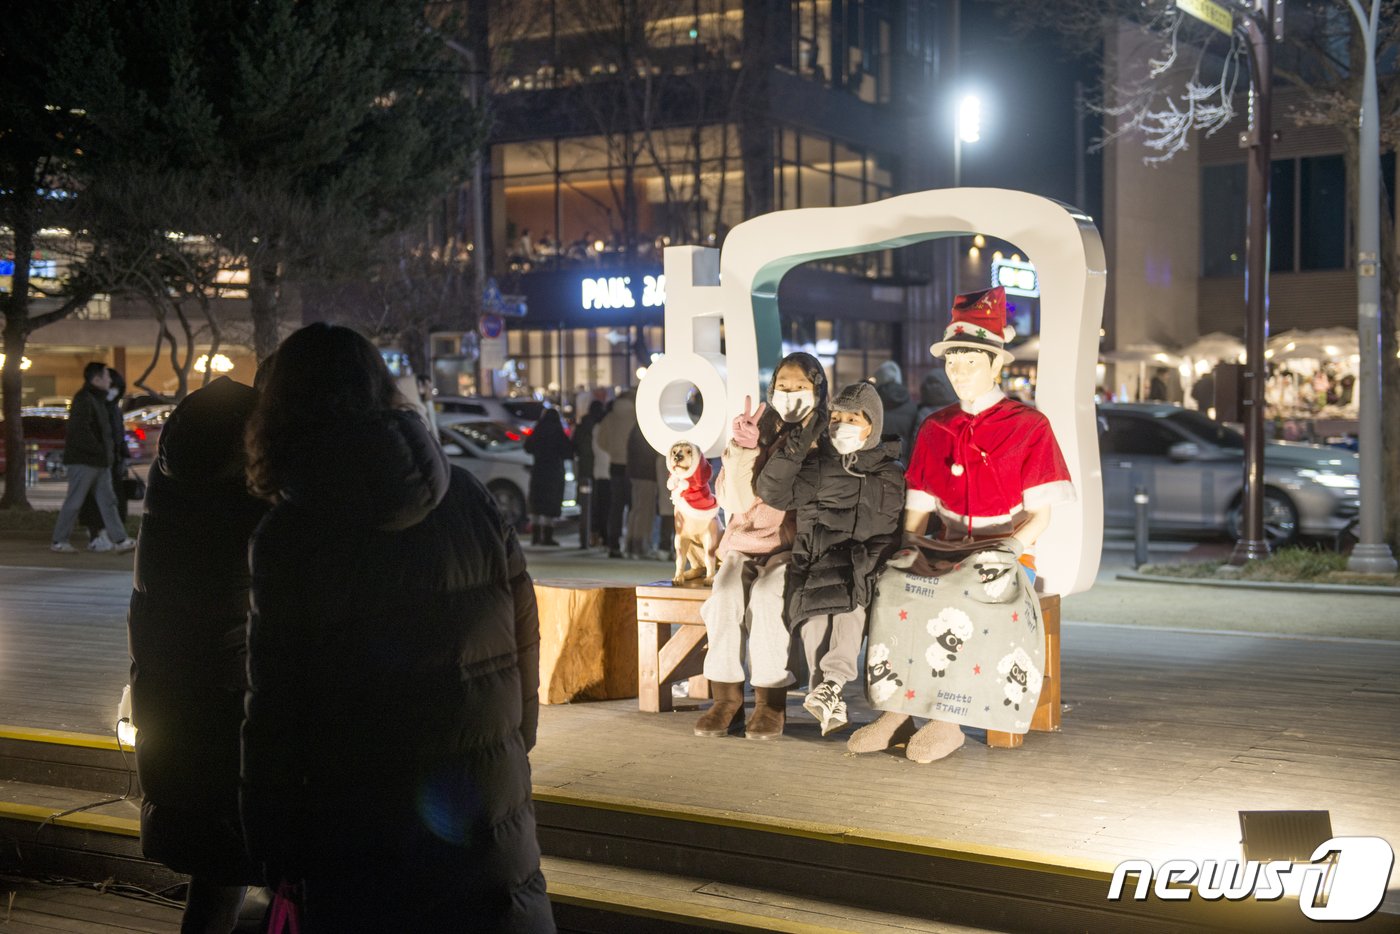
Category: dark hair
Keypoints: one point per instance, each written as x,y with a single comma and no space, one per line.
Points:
93,369
596,410
992,355
118,381
322,376
771,425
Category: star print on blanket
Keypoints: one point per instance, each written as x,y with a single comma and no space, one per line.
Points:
961,644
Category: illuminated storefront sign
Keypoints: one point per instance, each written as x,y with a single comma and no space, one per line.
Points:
619,292
1018,278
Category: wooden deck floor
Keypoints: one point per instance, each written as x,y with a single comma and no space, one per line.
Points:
28,907
1167,735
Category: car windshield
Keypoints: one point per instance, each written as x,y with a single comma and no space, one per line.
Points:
1206,429
489,436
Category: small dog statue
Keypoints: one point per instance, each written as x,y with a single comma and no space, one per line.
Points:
697,513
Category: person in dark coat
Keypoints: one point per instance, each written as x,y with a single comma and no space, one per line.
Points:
642,510
88,452
393,658
593,491
935,394
901,412
90,516
847,486
185,628
551,449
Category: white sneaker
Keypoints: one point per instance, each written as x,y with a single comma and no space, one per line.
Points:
125,545
101,542
63,548
825,703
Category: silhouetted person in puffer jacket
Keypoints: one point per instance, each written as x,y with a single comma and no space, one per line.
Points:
393,662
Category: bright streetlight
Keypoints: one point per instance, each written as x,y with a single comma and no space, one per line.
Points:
970,118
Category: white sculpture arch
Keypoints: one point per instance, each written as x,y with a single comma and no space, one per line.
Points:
739,289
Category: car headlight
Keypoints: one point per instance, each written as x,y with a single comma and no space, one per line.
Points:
1336,481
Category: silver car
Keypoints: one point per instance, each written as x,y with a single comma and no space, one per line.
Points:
1193,471
494,453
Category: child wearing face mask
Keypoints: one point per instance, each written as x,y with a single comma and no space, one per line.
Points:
847,487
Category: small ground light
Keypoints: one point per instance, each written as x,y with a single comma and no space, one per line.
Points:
1290,835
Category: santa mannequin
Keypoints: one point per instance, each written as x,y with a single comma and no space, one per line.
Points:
988,468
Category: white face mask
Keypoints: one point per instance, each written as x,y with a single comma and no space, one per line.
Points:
793,406
846,438
111,395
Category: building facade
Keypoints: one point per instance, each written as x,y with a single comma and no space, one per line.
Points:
620,129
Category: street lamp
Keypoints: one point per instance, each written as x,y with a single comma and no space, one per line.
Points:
967,130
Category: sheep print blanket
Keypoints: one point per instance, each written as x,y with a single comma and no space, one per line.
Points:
955,635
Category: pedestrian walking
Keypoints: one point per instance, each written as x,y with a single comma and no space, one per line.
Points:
185,629
88,452
90,516
612,434
900,411
551,450
591,493
393,663
935,394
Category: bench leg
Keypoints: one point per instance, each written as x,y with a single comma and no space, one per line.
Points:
650,696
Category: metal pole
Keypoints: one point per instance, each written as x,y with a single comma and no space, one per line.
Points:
1259,33
1140,502
1371,555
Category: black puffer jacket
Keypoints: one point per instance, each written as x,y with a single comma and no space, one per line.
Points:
393,658
847,520
901,416
88,436
189,612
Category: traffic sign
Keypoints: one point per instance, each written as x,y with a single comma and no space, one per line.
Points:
492,326
1210,13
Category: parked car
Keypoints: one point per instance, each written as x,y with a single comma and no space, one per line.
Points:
494,453
522,413
47,429
1193,471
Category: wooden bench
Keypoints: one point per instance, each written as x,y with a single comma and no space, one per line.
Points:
671,647
671,643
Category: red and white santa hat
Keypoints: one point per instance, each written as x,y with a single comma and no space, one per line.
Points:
979,322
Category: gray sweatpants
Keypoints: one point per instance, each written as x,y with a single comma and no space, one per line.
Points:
831,645
83,479
746,606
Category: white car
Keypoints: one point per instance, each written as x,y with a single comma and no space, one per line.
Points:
494,453
522,413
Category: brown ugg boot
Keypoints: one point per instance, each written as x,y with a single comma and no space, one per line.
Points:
726,714
890,730
934,740
769,714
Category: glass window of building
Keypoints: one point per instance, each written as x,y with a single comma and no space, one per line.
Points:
1323,213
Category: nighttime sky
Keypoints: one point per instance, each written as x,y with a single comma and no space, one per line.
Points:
1027,89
